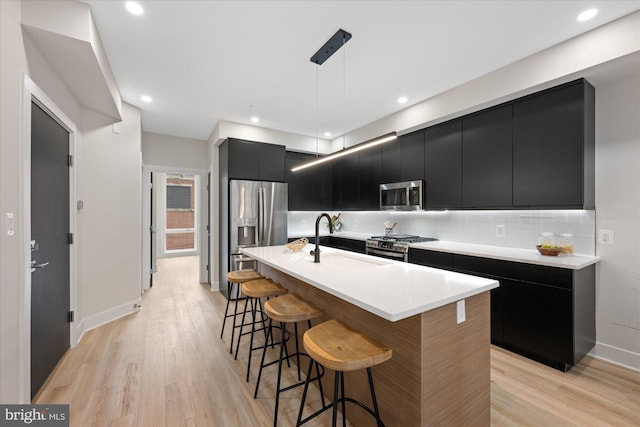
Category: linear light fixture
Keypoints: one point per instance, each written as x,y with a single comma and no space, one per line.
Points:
353,149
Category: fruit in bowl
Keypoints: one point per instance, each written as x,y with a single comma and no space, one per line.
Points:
549,250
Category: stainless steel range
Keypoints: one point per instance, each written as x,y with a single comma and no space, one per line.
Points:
394,246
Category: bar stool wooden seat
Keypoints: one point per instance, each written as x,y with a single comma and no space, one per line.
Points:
289,308
254,290
234,280
338,347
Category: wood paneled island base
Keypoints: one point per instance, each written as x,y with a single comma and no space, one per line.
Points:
440,370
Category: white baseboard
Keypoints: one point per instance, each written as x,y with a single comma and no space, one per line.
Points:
215,286
617,356
99,319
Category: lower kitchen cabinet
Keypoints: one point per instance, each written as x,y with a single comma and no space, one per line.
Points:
544,313
343,243
538,321
434,259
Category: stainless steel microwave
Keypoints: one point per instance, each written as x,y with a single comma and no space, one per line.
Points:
401,196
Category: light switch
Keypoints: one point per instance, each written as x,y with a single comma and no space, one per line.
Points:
461,315
9,224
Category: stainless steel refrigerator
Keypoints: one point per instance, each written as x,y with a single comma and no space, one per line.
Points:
257,217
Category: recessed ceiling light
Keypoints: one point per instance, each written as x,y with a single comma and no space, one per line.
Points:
146,98
255,119
587,14
402,100
134,8
327,134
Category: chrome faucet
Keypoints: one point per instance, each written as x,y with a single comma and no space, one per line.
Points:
316,252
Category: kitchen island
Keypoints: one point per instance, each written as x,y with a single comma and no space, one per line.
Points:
439,372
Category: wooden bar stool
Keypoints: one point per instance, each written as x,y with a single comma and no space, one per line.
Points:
289,308
254,290
234,279
335,346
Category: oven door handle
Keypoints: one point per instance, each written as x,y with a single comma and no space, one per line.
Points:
384,253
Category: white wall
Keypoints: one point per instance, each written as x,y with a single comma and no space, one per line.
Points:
618,209
12,64
109,240
107,178
174,151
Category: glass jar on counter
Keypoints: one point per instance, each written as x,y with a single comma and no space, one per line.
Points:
547,239
565,243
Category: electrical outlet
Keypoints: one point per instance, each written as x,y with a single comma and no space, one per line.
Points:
500,231
605,237
461,316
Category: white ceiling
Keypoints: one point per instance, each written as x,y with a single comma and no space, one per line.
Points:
205,61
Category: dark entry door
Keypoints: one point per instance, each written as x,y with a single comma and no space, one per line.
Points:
50,245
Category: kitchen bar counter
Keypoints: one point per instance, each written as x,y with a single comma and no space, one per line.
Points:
439,373
526,256
390,289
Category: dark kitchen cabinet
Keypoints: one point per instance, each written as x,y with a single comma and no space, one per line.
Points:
294,179
255,160
369,178
412,153
345,183
554,148
428,258
544,313
391,162
486,158
443,165
271,162
309,189
351,245
537,320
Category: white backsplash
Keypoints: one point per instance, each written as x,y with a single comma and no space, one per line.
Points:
479,227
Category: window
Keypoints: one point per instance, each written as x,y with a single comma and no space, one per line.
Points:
180,226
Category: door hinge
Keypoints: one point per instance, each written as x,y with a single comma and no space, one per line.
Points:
70,316
70,238
207,267
70,160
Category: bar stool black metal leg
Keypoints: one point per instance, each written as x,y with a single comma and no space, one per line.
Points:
304,392
264,353
226,310
244,312
295,330
336,381
235,316
282,340
344,403
373,397
254,308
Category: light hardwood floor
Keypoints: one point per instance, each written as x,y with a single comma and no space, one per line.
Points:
167,366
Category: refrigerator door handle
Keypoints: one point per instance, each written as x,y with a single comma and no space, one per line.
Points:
260,217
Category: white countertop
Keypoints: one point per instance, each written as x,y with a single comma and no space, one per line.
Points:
390,289
527,256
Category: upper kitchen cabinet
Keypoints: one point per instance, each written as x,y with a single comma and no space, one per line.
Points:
443,165
345,183
370,178
309,189
554,148
486,158
255,160
412,152
391,162
294,179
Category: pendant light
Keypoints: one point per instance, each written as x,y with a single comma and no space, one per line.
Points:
339,39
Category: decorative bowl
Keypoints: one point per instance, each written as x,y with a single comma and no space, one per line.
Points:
552,251
297,245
